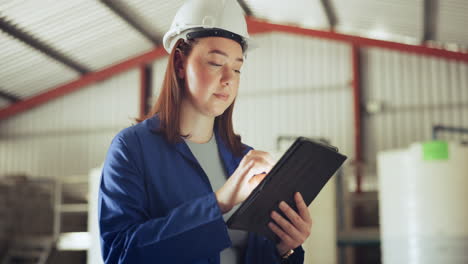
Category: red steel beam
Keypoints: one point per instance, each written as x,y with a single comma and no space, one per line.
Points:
356,84
144,89
255,26
80,83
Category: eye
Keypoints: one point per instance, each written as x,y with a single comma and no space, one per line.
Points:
215,64
220,65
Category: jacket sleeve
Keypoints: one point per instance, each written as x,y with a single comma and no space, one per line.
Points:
263,251
130,235
296,258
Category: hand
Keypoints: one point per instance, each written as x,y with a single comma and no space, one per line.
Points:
251,171
294,232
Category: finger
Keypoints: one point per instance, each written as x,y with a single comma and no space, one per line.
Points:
287,227
267,156
257,178
251,153
302,207
244,170
280,233
260,166
253,177
262,155
247,158
249,165
258,170
261,160
294,217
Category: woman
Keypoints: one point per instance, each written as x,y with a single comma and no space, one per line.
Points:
170,182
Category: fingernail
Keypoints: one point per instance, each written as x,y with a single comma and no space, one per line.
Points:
282,205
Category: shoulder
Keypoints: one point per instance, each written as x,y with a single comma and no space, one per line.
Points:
137,141
131,144
137,134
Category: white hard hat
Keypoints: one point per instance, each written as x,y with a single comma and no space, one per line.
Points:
205,18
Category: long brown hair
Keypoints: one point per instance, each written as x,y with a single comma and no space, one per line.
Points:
167,106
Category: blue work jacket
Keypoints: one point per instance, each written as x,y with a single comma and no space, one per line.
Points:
156,204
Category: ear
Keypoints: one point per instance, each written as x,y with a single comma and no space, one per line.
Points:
179,64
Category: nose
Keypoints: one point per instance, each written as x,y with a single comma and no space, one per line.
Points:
228,76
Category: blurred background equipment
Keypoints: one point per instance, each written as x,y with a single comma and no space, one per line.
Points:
26,223
425,222
42,220
94,252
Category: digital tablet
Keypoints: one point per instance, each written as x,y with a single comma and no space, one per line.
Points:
305,167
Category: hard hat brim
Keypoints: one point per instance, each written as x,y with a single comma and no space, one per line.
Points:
170,38
217,32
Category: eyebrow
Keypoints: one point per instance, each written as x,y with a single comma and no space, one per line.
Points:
216,51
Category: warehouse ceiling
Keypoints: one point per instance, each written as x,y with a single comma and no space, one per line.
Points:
47,43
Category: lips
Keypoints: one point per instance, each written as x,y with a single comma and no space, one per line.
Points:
222,96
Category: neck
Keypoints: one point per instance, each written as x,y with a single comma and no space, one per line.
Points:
195,124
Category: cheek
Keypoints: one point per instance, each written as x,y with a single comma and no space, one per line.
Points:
235,87
198,81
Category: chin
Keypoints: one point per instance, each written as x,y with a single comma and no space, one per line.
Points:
216,111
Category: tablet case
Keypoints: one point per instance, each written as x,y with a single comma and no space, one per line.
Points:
305,167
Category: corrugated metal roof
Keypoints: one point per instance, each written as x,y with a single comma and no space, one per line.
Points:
452,22
382,19
92,35
155,15
305,13
25,71
86,31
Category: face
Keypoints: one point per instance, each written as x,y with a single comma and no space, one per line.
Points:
211,74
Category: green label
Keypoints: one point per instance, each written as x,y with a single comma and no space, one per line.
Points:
435,150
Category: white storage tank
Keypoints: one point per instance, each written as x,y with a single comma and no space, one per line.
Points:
423,192
94,251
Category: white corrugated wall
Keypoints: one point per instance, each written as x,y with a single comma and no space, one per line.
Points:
70,135
416,93
159,69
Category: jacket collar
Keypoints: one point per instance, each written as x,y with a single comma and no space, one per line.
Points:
226,155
